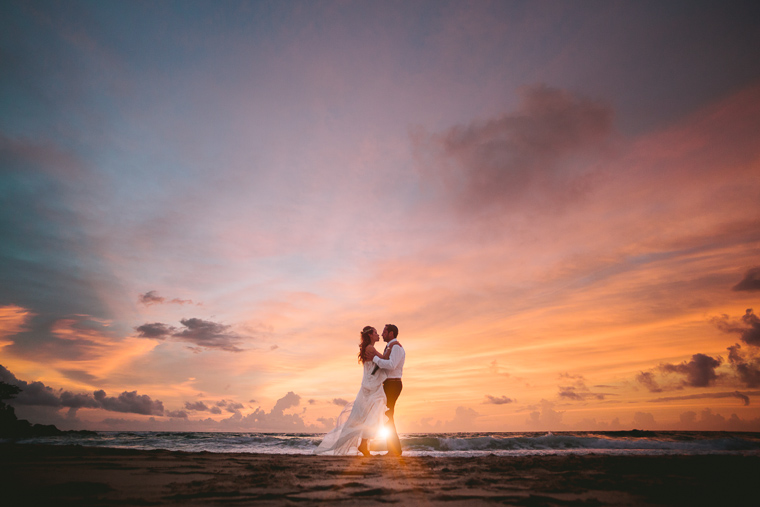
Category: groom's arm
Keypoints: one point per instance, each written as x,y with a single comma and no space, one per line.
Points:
392,361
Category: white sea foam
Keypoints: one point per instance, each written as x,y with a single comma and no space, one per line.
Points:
435,444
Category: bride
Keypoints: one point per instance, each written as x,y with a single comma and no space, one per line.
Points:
362,418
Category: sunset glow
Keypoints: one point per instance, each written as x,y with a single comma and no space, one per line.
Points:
557,203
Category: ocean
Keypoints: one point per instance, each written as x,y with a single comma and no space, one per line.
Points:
634,442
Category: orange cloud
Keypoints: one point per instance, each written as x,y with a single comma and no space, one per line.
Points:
12,320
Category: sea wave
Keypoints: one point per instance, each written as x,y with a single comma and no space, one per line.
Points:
432,444
611,441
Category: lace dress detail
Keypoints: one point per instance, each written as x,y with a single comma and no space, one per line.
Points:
361,418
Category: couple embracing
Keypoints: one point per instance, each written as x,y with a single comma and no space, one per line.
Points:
373,408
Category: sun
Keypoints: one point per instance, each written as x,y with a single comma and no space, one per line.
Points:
383,433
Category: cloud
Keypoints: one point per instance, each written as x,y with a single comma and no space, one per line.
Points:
646,378
177,414
203,333
32,393
38,394
207,334
578,391
688,417
152,298
497,400
749,328
289,400
572,393
131,402
464,417
80,347
709,421
229,406
77,401
327,423
700,371
340,402
12,320
532,152
746,365
735,394
156,330
750,282
276,419
199,406
644,420
589,424
79,375
545,417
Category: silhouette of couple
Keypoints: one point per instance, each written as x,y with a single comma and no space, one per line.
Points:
374,405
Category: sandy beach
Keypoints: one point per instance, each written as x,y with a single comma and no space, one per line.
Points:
82,476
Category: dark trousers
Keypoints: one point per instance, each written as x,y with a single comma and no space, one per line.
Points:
392,388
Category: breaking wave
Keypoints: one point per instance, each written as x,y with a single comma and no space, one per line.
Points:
433,444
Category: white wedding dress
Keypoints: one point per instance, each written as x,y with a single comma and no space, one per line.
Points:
361,418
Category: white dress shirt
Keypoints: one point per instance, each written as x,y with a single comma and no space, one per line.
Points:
395,362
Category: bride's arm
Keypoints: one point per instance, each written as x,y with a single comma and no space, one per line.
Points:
387,352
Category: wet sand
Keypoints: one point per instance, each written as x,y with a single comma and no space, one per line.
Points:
87,476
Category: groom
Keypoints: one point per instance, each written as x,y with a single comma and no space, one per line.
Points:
392,385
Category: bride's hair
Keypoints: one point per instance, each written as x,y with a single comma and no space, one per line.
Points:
365,337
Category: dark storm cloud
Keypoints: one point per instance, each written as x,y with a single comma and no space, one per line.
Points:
77,401
207,334
32,393
130,402
497,400
700,371
203,333
501,162
646,378
38,394
155,330
152,298
746,364
748,328
735,394
750,282
199,406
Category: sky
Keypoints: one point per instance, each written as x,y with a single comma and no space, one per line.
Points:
203,203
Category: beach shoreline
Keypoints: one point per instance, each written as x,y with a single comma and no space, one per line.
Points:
34,474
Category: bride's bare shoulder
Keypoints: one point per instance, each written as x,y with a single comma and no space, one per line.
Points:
369,352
